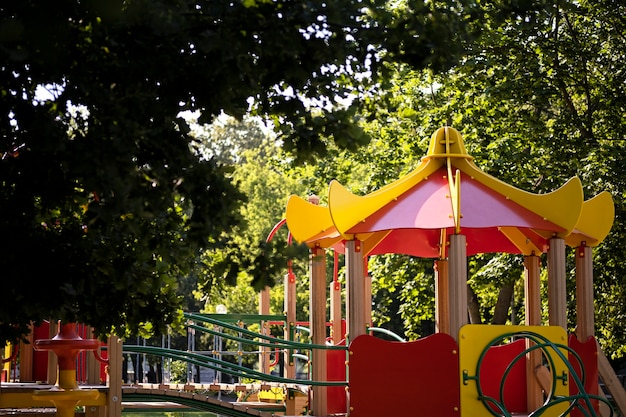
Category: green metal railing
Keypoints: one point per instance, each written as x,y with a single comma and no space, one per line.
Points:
387,332
581,401
216,324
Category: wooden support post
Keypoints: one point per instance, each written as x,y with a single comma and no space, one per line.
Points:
264,309
367,295
532,290
317,314
611,382
290,403
6,366
585,322
290,316
442,294
114,398
336,311
557,294
457,300
93,365
264,301
93,377
53,368
27,358
355,290
532,293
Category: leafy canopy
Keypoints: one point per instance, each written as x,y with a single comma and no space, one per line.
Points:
104,204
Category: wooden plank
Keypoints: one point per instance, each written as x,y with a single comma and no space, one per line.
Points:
149,405
141,390
317,319
532,290
290,313
585,325
611,382
532,294
53,367
336,311
212,400
172,393
355,289
442,294
27,357
457,300
93,377
259,405
264,309
605,410
186,394
367,294
557,295
114,399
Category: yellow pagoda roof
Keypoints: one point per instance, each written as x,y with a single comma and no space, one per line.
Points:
447,194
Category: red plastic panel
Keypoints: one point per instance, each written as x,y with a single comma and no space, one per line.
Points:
492,369
337,402
419,378
588,352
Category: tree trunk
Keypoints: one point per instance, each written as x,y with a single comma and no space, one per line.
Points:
473,307
501,312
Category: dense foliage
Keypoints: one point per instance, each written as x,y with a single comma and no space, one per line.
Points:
112,207
104,204
538,100
511,119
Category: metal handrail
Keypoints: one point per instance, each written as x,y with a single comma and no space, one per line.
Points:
272,340
387,332
546,346
220,365
211,324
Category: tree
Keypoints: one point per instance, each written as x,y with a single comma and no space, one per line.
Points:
537,101
103,203
541,96
234,273
105,207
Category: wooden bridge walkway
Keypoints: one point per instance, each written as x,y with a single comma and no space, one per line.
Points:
192,396
17,398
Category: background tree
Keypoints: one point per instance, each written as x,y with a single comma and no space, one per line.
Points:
105,208
538,100
529,119
259,171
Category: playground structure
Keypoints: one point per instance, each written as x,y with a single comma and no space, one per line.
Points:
140,396
446,209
